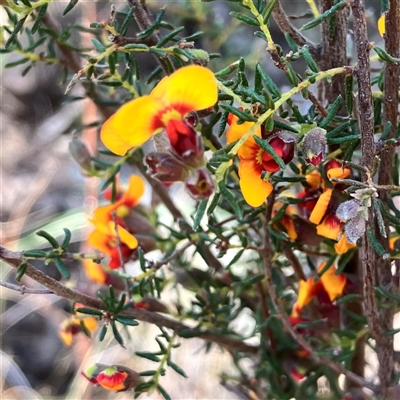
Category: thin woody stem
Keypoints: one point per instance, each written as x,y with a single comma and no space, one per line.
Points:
14,259
23,289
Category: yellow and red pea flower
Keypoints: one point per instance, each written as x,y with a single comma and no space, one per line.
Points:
254,161
104,237
327,289
328,224
112,377
188,89
72,326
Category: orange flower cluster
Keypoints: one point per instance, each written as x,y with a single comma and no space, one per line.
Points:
110,227
321,212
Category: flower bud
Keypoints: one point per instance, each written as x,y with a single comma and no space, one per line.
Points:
283,142
80,154
166,167
200,184
314,146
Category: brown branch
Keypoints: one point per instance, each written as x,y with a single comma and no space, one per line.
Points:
14,259
143,21
286,26
385,278
23,289
267,255
376,270
366,112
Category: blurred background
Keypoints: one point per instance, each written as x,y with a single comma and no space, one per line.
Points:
42,187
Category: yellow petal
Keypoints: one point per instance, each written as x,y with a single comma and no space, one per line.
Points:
94,271
343,246
313,179
338,172
134,192
254,189
333,284
126,237
381,25
306,292
235,131
330,227
90,323
100,241
321,207
133,124
188,89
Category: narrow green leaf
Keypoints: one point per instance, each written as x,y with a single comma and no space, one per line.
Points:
201,208
348,93
21,270
62,268
88,311
163,392
244,18
125,23
103,333
384,56
332,112
98,45
116,334
343,139
268,82
147,355
230,198
69,7
14,33
41,13
176,368
170,36
67,238
308,59
242,115
375,244
136,46
126,321
34,253
315,22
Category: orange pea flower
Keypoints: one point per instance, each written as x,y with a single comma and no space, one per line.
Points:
254,160
104,237
327,289
188,89
95,271
112,377
328,224
72,326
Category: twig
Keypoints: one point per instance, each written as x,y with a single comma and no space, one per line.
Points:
267,257
285,26
14,259
143,21
23,289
